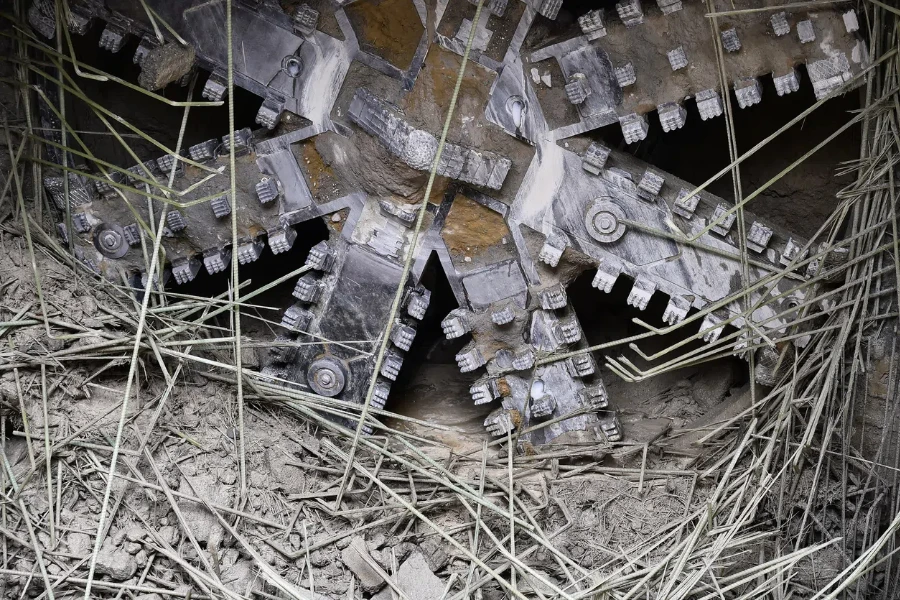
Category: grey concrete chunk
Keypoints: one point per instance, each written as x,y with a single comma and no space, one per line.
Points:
354,558
116,563
416,580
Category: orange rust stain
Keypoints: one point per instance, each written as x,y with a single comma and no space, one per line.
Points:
391,27
471,228
435,90
315,166
516,418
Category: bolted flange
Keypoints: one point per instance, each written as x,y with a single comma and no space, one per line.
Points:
110,240
327,376
604,221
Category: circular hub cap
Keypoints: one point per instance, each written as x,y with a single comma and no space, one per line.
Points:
110,241
604,221
327,376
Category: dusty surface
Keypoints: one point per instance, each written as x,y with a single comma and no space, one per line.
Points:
471,228
390,29
247,508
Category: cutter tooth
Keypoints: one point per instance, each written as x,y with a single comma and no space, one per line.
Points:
104,187
217,260
41,21
581,365
828,74
543,407
553,297
305,19
553,249
502,421
787,83
485,390
215,87
758,237
606,276
669,6
611,428
768,371
625,75
175,221
577,88
709,104
80,222
594,158
570,330
393,360
523,360
250,250
220,206
805,32
308,288
594,396
743,342
650,185
63,232
592,25
641,292
185,270
320,257
142,170
711,333
469,358
671,116
677,58
402,335
282,239
79,22
748,91
634,127
779,23
730,40
676,310
684,206
791,251
112,38
380,393
417,301
502,316
723,226
270,112
144,280
549,8
267,190
457,323
297,318
204,151
241,141
167,162
282,352
631,12
146,45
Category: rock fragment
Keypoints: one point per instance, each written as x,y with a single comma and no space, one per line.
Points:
416,580
355,558
116,563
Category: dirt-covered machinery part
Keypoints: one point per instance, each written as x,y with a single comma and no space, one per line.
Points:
281,58
514,303
571,204
614,67
271,194
344,306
